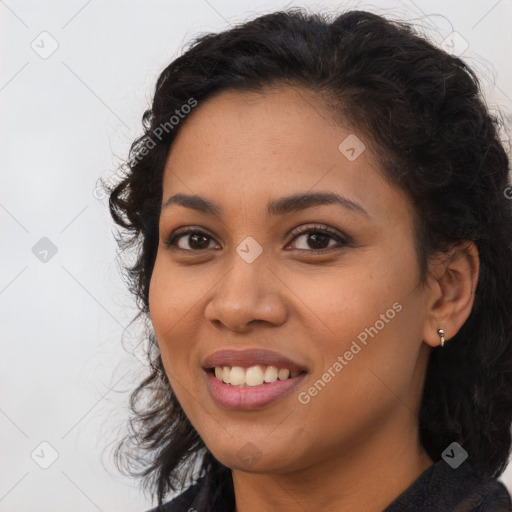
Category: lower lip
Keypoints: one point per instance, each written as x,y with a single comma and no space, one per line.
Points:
252,397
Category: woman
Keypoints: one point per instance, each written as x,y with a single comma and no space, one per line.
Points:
323,232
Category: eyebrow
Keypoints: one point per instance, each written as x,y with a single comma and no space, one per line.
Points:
275,207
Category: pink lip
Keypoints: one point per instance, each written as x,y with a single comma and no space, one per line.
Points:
251,357
232,397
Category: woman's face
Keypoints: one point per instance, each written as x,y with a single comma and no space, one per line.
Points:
343,309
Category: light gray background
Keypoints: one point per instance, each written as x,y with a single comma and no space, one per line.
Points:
66,121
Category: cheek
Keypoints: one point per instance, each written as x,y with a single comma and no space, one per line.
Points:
160,302
168,317
169,297
341,303
171,301
370,318
175,312
356,385
168,306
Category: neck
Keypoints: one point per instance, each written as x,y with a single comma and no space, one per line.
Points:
386,464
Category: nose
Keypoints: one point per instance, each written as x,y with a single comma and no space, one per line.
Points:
248,293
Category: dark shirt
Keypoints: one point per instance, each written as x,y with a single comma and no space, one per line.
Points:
439,488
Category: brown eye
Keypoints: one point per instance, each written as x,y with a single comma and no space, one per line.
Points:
318,240
193,240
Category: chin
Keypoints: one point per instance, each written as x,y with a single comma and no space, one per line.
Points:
250,458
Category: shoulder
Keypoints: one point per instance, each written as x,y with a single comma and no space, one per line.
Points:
492,496
442,487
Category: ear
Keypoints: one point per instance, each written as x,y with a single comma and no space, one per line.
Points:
453,281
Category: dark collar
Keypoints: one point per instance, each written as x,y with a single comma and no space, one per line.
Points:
439,488
443,488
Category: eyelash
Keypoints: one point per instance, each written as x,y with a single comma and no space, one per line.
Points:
303,230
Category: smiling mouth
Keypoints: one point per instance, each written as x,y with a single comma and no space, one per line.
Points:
257,375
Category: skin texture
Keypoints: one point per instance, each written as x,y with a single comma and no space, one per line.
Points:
353,446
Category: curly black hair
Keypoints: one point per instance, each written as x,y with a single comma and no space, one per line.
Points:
436,139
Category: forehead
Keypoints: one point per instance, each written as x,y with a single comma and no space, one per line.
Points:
262,133
250,146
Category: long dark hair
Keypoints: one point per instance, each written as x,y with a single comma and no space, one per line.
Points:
424,112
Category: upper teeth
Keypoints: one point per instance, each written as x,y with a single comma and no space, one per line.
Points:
252,376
